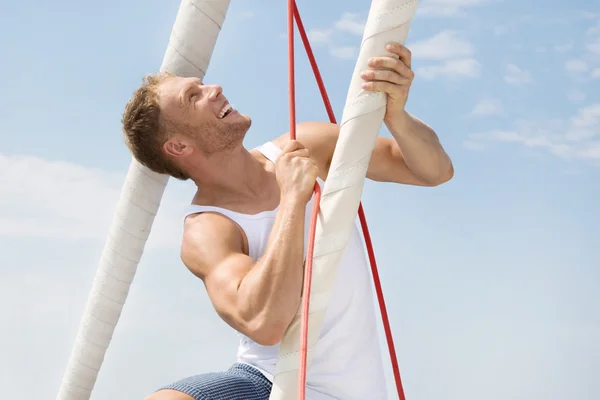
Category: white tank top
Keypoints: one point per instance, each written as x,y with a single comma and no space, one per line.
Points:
347,363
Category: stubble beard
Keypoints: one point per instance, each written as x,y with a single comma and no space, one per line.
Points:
219,138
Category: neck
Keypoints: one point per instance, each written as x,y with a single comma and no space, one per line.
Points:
230,176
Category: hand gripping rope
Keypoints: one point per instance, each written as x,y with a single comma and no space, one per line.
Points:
293,14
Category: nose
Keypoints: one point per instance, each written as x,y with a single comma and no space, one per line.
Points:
214,91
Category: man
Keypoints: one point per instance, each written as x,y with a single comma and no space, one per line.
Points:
245,232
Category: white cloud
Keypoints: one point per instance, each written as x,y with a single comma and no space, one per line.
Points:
451,69
488,107
319,36
576,66
594,30
516,76
448,8
586,124
78,202
594,47
344,52
511,25
596,73
450,48
576,96
501,30
472,145
577,138
248,14
42,303
442,46
350,23
563,48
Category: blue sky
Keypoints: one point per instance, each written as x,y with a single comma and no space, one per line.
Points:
492,280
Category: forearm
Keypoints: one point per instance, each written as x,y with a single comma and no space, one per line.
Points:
421,149
270,293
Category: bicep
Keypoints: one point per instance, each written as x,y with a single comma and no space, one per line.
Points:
222,285
219,261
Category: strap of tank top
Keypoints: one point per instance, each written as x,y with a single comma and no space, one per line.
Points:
269,150
196,209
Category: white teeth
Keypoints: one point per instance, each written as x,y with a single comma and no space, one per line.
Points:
224,110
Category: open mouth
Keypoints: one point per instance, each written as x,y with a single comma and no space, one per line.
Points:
225,111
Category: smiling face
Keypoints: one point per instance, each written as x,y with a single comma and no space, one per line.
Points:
199,118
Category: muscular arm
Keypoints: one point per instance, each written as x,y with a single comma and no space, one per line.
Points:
388,163
421,148
259,299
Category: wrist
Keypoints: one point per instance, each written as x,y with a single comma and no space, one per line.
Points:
292,202
397,122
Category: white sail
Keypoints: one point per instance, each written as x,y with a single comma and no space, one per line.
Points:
388,21
189,51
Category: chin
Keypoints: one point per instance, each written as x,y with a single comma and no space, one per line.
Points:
242,121
238,128
244,117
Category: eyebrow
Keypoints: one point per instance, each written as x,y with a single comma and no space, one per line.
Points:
183,98
189,87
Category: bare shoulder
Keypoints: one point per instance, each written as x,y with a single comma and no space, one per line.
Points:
213,249
319,138
202,247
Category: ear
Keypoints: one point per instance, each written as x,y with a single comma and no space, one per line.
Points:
178,146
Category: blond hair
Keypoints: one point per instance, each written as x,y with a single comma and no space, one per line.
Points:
145,130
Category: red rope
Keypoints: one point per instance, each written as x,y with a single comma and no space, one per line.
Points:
315,213
293,13
291,71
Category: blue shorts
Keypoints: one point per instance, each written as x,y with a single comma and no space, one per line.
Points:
239,382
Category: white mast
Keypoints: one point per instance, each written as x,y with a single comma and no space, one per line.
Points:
189,51
388,21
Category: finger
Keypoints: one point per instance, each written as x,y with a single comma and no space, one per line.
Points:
299,153
393,64
382,86
403,53
292,145
384,75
